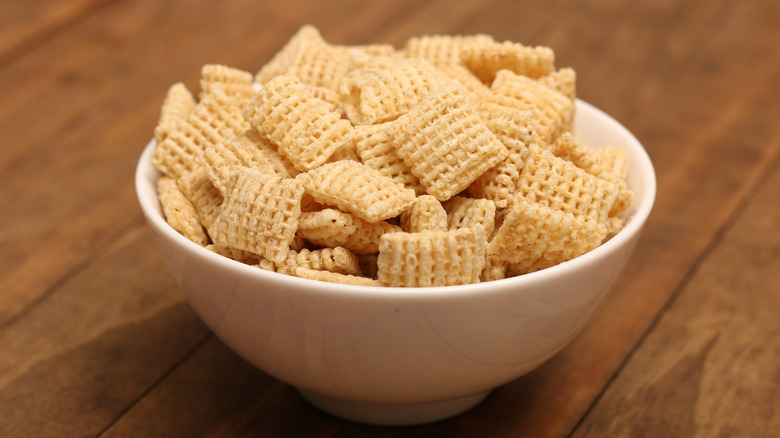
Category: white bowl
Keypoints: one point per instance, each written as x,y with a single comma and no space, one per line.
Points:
394,355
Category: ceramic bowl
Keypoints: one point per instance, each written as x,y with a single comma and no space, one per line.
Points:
394,355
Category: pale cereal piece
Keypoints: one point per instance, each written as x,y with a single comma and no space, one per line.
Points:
376,150
304,128
235,83
359,189
552,111
561,185
474,89
514,129
339,260
178,104
179,212
494,270
445,143
346,152
236,254
368,264
280,63
444,50
374,95
431,258
613,225
426,214
485,60
220,160
330,97
465,212
334,277
534,236
563,81
214,119
599,162
333,228
205,197
260,214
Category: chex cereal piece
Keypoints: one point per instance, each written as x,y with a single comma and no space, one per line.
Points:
333,228
465,212
514,129
552,111
443,50
205,197
376,150
334,277
221,159
214,119
280,63
599,162
236,254
304,128
487,59
474,89
260,214
340,260
494,269
426,214
359,189
534,236
431,258
374,95
178,104
445,143
563,186
235,83
179,212
563,81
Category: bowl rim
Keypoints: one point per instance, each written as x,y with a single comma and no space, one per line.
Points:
146,175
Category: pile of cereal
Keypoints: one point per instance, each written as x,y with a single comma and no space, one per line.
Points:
450,161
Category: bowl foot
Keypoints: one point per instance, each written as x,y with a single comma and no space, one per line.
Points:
392,414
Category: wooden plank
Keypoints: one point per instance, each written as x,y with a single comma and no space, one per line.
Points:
710,366
88,352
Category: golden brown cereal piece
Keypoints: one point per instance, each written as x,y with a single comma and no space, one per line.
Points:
431,258
600,162
426,214
375,147
534,236
485,60
372,95
260,214
563,81
179,212
205,198
514,129
561,185
236,254
552,111
445,143
359,189
178,104
233,82
304,128
443,50
221,159
465,212
334,277
333,228
214,119
340,260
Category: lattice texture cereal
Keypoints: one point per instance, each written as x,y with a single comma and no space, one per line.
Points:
179,212
334,277
178,104
376,150
332,228
205,197
359,189
444,50
339,260
426,214
465,212
445,143
486,60
235,83
563,81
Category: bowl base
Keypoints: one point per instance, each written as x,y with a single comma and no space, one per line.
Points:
392,414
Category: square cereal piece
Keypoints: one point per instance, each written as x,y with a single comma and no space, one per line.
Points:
178,104
179,212
444,50
487,59
426,214
375,147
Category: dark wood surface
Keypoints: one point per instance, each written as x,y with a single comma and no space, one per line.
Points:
97,340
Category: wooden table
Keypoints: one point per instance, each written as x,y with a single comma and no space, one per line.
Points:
97,340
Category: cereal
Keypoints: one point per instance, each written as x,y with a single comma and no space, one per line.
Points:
359,189
445,143
451,161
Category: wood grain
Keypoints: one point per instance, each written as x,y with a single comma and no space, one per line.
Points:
96,339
